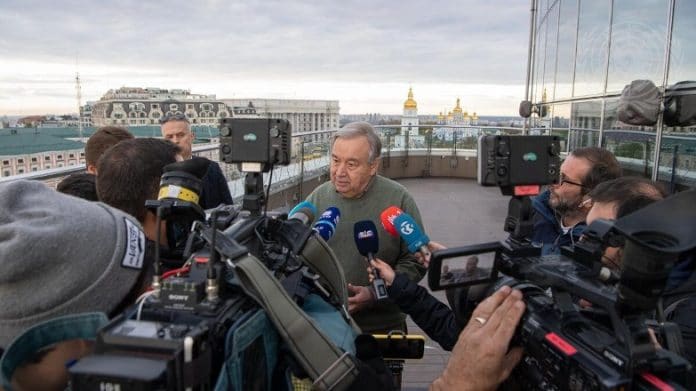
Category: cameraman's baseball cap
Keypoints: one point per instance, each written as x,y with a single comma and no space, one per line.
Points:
62,255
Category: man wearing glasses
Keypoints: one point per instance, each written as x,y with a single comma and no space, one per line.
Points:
177,129
560,211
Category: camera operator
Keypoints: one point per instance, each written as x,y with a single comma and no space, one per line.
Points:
617,198
101,140
129,175
480,357
62,256
560,213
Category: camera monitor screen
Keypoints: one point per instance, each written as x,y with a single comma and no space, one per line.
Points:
265,141
507,161
463,266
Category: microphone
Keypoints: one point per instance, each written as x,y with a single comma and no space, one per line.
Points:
387,219
415,239
365,234
304,212
326,225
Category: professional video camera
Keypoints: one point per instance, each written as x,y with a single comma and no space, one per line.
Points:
217,321
567,347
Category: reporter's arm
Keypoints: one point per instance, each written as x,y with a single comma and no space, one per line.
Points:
434,317
480,360
430,314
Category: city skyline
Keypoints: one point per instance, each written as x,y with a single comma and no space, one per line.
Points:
366,56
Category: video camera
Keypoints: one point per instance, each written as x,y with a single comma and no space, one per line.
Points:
207,324
567,347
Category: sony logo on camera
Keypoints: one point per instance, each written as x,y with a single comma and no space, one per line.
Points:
178,297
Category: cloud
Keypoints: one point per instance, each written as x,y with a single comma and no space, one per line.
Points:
353,41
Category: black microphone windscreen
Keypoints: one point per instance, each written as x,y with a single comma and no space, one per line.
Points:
366,239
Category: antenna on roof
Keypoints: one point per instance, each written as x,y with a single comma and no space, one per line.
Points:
78,90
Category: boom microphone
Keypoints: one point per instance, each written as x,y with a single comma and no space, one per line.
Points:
304,212
365,234
387,218
326,225
415,239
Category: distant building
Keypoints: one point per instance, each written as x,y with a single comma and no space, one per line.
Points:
86,114
409,121
24,150
373,118
248,111
409,134
456,120
133,106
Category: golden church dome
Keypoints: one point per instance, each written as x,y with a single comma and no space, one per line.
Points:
458,108
410,103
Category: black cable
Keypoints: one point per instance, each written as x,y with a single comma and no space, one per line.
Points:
268,190
158,229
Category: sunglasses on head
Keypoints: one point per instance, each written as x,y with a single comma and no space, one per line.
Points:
173,117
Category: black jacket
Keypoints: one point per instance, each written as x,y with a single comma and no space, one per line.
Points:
680,307
216,191
430,314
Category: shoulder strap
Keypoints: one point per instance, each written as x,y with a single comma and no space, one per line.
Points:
670,308
328,366
321,259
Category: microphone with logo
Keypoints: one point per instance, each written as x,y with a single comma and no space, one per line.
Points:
414,237
304,212
365,233
326,225
387,218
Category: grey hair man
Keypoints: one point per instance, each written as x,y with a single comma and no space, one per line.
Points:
177,129
356,189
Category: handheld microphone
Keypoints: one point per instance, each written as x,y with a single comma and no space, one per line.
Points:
304,212
415,239
365,234
387,219
326,225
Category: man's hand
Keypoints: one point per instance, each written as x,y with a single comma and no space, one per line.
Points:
480,360
432,246
385,271
360,297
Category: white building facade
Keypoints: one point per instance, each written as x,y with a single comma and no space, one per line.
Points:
409,134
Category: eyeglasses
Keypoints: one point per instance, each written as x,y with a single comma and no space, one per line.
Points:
562,179
173,117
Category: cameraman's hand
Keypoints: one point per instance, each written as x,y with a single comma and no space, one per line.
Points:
384,269
480,360
360,297
432,246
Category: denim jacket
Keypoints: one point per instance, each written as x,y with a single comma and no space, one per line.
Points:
547,231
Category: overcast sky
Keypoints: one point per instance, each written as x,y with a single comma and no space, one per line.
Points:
365,54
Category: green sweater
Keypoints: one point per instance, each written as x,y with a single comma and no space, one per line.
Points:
381,194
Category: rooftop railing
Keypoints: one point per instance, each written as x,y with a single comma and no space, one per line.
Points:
310,154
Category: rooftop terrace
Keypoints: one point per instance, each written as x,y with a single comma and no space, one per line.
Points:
455,212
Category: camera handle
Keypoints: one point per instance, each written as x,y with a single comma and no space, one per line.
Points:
254,198
519,222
